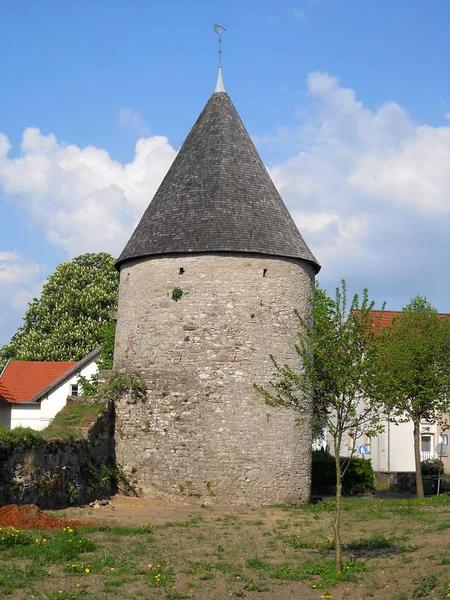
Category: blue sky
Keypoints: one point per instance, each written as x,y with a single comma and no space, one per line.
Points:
348,102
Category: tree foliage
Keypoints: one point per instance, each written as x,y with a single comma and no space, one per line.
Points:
413,380
65,323
90,385
107,340
338,352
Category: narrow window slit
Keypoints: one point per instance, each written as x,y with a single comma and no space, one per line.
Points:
181,271
264,272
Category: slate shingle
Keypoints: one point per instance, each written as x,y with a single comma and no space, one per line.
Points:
217,197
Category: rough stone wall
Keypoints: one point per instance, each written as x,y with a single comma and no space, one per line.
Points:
60,473
204,432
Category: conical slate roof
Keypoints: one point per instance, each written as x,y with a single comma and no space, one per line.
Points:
217,197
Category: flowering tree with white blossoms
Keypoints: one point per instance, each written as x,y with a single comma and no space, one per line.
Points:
65,323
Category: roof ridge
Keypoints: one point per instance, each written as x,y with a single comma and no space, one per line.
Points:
46,362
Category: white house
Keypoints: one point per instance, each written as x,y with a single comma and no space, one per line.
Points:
32,393
393,450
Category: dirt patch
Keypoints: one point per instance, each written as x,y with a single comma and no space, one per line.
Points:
130,511
30,516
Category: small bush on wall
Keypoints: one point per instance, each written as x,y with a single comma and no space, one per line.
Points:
177,294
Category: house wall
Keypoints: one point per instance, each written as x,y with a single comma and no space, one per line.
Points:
393,450
38,416
205,432
5,414
25,415
445,459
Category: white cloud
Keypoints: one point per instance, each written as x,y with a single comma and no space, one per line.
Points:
299,14
15,269
8,256
81,198
5,146
133,120
370,192
20,282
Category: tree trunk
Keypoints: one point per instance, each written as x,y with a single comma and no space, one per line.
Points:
337,512
419,481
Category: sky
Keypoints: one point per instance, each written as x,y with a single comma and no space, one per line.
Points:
347,102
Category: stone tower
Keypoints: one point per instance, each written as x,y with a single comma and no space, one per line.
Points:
209,281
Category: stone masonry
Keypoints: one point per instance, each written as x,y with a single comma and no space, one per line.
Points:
204,432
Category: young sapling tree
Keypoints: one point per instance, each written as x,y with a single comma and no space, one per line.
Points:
337,351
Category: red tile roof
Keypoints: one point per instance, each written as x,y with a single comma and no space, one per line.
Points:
22,380
5,394
387,317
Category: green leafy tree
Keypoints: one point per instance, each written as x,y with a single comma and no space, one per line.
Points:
414,370
65,323
90,385
107,340
338,352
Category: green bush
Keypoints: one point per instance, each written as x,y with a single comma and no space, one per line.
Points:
358,476
107,338
124,383
323,468
24,436
431,466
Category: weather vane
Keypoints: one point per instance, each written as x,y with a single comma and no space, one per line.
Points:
217,29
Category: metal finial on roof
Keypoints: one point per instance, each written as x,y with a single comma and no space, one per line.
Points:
217,29
219,85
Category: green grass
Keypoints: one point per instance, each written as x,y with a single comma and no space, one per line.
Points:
256,563
192,522
425,586
72,420
14,576
51,546
160,575
323,574
374,542
144,530
218,555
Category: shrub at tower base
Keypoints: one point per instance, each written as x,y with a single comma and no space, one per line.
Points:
338,354
358,474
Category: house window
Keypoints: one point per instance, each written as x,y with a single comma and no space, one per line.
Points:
426,447
74,389
443,438
425,443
